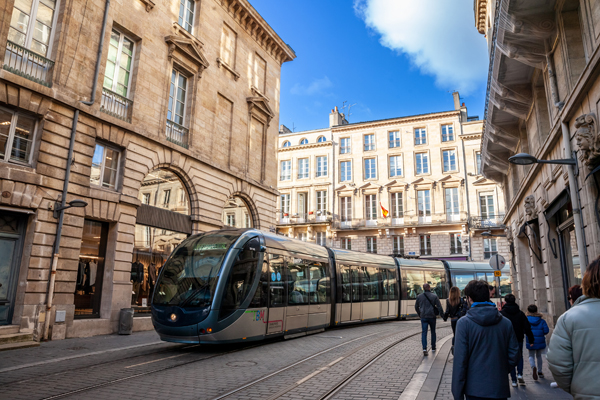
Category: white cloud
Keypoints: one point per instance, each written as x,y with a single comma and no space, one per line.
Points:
439,36
315,87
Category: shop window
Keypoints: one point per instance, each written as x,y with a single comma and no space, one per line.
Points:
90,270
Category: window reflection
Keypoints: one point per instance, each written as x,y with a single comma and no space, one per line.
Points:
236,214
163,188
413,283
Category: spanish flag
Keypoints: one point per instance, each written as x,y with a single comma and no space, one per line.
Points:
384,211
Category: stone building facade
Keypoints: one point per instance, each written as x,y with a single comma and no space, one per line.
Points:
337,183
180,126
543,96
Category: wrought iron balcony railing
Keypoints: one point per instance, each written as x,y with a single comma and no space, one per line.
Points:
487,221
302,218
116,105
177,134
23,62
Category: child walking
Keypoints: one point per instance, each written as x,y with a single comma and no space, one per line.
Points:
539,327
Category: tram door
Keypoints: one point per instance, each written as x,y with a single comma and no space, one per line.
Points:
277,294
298,286
385,303
352,293
319,294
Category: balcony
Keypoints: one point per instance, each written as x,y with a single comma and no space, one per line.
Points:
487,222
28,64
116,105
177,134
302,218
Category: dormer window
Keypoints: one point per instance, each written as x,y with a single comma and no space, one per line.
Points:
321,139
304,141
286,144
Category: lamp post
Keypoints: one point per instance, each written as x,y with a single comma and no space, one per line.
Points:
571,163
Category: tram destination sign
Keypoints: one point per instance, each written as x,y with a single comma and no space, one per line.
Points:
497,262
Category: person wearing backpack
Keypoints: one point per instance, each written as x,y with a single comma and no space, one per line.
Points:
455,308
428,306
537,347
522,327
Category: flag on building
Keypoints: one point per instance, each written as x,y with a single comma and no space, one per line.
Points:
384,211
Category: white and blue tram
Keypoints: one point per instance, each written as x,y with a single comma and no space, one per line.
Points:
236,285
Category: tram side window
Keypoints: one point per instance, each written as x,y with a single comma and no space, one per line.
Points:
370,284
240,279
505,284
277,281
385,284
461,280
346,284
414,282
297,281
319,283
392,291
262,290
437,281
356,284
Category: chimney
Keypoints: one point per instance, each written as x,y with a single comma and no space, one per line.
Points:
336,118
284,129
456,100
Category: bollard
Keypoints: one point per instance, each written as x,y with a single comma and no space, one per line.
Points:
126,321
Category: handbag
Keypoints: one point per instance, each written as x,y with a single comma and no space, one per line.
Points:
435,309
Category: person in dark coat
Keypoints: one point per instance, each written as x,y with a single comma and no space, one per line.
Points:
522,327
485,350
426,306
455,308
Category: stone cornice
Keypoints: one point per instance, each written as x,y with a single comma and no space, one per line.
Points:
394,121
305,146
480,12
252,22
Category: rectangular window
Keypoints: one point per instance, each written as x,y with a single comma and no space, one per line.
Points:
447,133
420,136
303,236
452,210
486,203
395,166
371,244
228,42
321,202
146,198
425,242
105,166
302,205
398,242
117,75
369,142
422,163
394,137
371,206
286,170
346,171
345,145
490,248
186,14
32,24
285,205
247,221
177,98
478,161
260,69
167,197
424,203
17,134
231,219
347,243
303,168
449,157
346,208
321,238
397,205
455,243
370,169
321,166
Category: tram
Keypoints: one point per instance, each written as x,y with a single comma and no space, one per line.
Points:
236,285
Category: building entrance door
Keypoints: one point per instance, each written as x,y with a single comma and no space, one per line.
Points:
11,244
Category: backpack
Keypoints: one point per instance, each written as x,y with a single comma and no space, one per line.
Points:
463,308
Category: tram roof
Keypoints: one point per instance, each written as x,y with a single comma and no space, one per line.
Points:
343,256
409,262
294,245
473,266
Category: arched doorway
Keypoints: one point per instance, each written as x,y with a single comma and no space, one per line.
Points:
236,213
163,221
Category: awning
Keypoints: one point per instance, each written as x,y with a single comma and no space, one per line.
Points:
164,219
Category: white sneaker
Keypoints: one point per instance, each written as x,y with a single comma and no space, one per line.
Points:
521,380
514,384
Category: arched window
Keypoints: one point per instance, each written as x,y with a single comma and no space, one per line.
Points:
286,144
304,141
321,139
236,213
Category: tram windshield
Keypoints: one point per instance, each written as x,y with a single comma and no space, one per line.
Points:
189,278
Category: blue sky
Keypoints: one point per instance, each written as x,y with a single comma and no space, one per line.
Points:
388,57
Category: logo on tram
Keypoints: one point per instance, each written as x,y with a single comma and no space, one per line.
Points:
258,315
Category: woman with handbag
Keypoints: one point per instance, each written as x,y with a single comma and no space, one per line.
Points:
455,308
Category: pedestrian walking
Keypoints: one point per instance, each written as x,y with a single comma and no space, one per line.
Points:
575,292
485,349
574,350
455,308
537,346
521,327
428,307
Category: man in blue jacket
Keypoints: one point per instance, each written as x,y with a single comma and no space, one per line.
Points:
485,349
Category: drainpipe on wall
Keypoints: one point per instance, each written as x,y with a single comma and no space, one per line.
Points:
577,217
56,247
467,195
333,194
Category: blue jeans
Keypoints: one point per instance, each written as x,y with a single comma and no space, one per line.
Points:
425,322
519,367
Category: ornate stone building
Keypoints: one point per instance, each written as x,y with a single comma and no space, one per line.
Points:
162,113
337,184
542,99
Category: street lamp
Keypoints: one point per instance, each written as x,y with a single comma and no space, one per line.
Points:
73,203
528,159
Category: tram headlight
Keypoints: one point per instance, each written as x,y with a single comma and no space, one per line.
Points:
173,317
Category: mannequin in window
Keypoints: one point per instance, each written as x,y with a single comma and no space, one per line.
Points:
137,277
